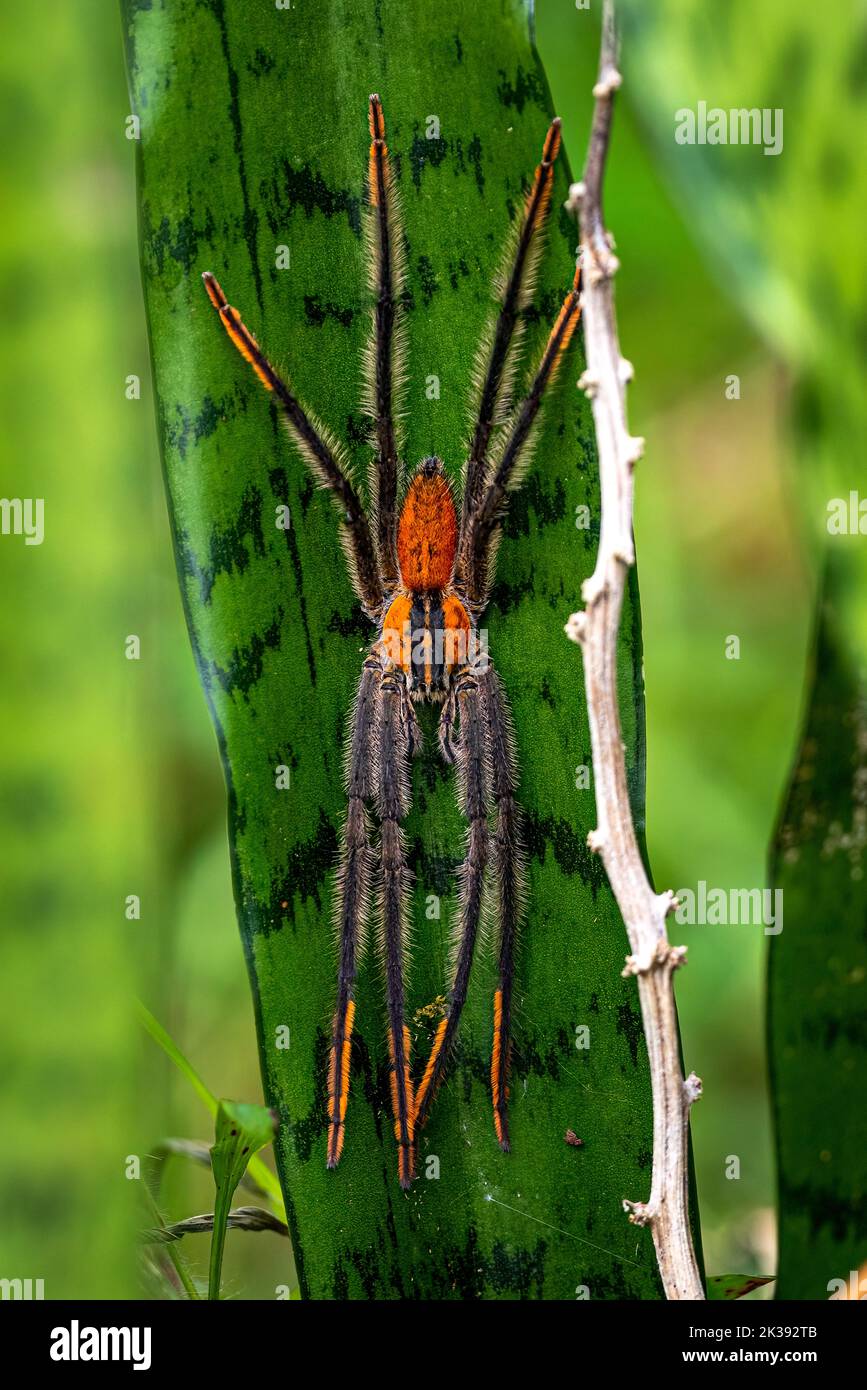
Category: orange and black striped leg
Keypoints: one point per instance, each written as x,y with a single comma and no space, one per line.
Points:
473,792
321,452
484,524
514,287
392,803
509,878
352,901
383,358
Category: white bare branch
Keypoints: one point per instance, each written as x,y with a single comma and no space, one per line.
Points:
652,960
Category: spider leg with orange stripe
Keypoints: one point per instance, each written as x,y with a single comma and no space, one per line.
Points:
385,350
508,865
354,882
473,793
483,524
392,795
323,455
497,361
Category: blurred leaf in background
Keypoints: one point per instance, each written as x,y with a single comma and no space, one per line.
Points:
95,749
75,799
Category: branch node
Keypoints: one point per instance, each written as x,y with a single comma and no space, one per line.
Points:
589,384
635,445
692,1088
596,841
599,265
577,194
640,1213
576,627
594,588
638,965
609,82
676,957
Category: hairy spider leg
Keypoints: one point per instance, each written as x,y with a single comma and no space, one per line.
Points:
384,353
513,287
353,896
473,800
323,455
508,864
393,804
508,470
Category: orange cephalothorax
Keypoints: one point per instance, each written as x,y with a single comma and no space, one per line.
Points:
427,535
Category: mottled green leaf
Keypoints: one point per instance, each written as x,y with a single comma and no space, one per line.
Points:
253,137
818,979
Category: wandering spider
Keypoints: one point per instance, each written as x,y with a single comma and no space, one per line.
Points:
423,576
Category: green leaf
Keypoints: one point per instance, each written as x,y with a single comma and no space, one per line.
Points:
164,1040
254,137
818,978
197,1151
242,1130
753,209
735,1285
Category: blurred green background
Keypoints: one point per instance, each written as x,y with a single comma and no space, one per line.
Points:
109,776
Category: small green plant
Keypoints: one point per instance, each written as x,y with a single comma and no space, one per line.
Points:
242,1130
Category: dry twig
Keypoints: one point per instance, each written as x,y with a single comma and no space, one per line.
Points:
653,960
241,1219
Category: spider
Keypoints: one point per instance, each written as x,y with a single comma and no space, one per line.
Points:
422,574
